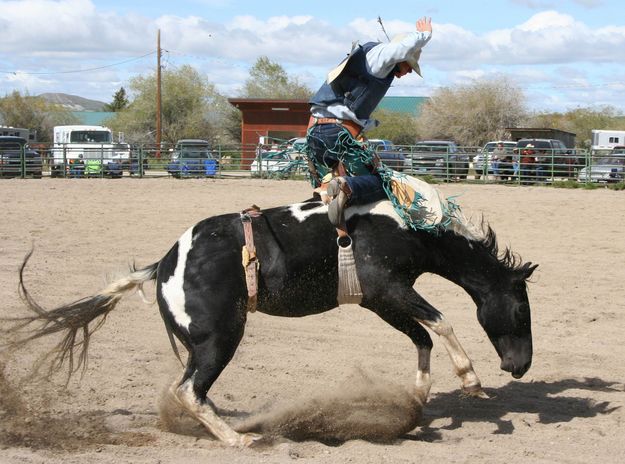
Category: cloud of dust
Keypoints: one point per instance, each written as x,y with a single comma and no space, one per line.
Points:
361,408
29,422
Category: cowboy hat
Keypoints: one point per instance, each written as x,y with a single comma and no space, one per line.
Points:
413,58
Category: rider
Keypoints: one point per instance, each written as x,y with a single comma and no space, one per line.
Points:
341,110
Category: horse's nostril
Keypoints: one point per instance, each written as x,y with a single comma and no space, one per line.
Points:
507,365
517,372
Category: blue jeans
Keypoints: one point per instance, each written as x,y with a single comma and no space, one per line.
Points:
365,189
326,152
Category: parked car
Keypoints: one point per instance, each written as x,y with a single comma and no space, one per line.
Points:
483,162
552,158
193,158
608,169
14,151
389,154
134,164
271,161
280,160
440,158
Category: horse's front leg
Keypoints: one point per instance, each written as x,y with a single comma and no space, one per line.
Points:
406,310
463,367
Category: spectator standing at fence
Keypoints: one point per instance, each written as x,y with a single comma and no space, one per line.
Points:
498,155
528,164
341,111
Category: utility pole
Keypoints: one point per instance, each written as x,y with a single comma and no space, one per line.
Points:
158,95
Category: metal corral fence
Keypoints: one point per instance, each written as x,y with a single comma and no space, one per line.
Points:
468,164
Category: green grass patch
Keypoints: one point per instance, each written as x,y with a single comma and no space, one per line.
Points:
571,184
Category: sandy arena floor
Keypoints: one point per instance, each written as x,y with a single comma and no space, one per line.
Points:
568,407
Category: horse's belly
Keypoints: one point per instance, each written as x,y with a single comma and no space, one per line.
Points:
295,303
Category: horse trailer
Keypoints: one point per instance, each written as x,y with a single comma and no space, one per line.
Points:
607,139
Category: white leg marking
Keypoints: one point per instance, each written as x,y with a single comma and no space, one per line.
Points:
424,380
208,417
173,290
461,362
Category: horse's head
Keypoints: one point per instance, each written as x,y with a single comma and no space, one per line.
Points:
505,316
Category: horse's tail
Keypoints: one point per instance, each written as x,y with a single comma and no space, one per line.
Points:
74,319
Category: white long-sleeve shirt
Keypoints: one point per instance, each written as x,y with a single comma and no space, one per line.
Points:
381,60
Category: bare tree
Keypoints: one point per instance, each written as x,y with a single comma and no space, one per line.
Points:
270,80
473,114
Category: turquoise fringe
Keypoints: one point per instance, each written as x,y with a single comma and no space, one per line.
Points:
358,160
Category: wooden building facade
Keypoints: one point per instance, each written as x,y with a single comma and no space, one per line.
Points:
276,119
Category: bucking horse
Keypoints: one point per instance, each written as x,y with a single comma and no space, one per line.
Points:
204,296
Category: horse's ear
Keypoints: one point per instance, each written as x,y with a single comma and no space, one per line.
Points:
528,269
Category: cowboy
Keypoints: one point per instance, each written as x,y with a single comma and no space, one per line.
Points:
527,163
341,111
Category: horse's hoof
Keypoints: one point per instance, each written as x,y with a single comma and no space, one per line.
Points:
248,439
475,391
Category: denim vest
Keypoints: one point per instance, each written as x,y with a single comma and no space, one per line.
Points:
355,87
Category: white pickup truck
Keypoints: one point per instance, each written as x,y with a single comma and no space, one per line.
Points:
87,150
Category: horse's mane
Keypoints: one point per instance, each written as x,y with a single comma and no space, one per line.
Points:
481,234
507,258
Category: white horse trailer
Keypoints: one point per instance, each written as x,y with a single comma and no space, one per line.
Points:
607,139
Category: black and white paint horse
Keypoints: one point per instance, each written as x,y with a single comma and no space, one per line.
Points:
202,293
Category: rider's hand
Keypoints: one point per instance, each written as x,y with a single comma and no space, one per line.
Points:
424,24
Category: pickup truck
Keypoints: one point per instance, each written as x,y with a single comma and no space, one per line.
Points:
17,158
193,158
389,154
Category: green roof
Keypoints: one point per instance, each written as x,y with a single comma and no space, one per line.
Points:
410,105
93,118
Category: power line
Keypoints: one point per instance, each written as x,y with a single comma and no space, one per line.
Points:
81,70
527,87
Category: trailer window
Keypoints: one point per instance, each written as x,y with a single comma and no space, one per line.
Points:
90,136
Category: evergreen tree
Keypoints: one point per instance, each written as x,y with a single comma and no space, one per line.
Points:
120,101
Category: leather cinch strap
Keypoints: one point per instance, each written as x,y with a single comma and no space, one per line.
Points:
249,259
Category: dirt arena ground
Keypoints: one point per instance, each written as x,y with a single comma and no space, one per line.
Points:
568,408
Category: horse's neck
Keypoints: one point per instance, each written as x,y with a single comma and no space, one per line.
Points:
464,263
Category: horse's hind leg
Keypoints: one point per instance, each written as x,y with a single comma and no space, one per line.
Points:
206,415
206,362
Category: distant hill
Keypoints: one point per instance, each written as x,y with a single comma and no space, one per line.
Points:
73,102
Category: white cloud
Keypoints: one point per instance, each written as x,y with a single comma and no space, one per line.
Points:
549,47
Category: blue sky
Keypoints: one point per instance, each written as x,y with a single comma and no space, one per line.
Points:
563,53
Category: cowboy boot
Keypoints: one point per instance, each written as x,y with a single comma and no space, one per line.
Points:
339,191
